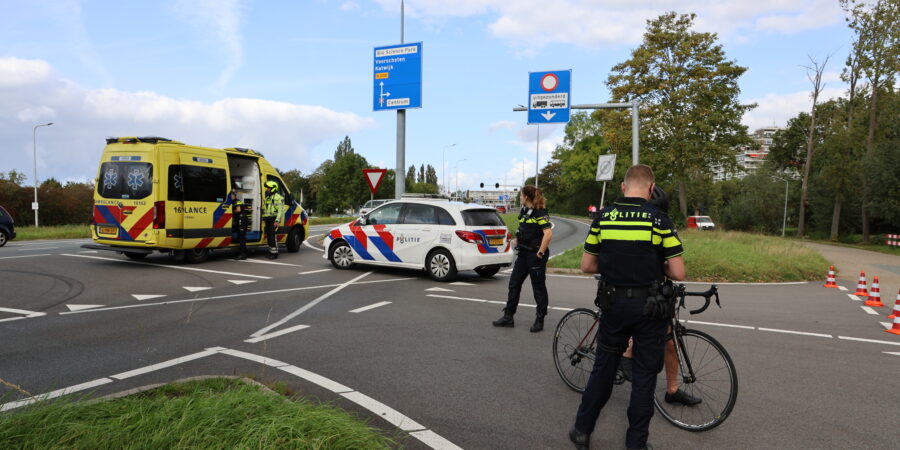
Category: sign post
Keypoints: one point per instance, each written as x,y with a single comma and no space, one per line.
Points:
373,178
606,169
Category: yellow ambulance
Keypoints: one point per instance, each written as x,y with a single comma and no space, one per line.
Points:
156,194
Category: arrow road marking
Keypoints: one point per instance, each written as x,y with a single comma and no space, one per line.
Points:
241,281
276,334
892,353
140,297
25,313
196,289
548,115
80,307
437,289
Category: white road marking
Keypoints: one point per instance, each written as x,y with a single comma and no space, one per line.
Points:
80,307
384,411
477,300
54,394
314,271
874,341
853,297
842,288
196,288
721,324
775,330
24,256
434,440
89,251
892,353
12,318
561,309
276,334
220,297
141,297
886,325
316,379
309,305
163,365
195,269
241,281
255,358
372,306
260,261
461,283
869,310
496,302
437,289
306,243
28,314
33,249
507,271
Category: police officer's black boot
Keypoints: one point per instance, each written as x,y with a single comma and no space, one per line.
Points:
538,324
505,321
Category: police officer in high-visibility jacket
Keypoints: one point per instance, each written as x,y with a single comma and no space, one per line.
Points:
634,246
272,213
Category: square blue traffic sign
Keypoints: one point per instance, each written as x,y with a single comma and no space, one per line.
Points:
398,77
549,96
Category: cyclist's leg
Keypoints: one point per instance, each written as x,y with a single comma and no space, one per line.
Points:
672,366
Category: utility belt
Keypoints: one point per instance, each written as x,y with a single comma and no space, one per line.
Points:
659,296
527,248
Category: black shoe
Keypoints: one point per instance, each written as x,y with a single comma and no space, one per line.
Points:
505,321
241,257
625,366
272,256
538,325
581,440
682,397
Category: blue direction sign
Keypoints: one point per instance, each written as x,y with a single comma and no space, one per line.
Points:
549,96
398,77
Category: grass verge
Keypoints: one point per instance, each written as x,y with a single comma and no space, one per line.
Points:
331,220
53,232
875,247
735,257
210,413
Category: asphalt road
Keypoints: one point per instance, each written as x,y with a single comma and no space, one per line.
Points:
419,357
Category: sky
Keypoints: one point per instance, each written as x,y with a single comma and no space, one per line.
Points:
292,78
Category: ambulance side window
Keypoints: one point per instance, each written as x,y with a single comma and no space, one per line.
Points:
204,184
176,184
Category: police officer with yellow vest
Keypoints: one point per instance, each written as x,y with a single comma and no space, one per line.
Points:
272,214
634,247
532,241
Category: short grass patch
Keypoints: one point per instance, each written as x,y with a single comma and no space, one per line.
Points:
210,413
331,220
735,257
53,232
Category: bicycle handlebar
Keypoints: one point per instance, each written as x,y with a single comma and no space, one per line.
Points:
707,295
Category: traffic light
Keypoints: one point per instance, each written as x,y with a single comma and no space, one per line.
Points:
497,185
482,185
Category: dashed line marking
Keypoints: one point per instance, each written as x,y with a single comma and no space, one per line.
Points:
869,310
477,300
33,249
274,263
803,333
438,289
746,327
854,298
24,256
372,306
314,271
874,341
276,334
461,283
886,325
842,288
195,269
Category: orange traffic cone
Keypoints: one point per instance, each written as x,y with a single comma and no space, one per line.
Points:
875,295
896,312
861,286
896,328
829,280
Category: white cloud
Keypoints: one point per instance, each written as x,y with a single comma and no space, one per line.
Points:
501,125
70,149
776,109
598,23
223,17
349,6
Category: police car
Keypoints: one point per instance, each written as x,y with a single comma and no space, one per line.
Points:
439,236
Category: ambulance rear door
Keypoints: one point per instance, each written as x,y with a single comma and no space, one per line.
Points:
207,208
123,207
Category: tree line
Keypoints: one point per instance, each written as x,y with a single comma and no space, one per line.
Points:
690,126
60,204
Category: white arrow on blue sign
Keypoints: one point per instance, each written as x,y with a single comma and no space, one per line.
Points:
398,77
549,96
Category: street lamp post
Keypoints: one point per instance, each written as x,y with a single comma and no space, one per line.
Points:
34,154
444,164
456,166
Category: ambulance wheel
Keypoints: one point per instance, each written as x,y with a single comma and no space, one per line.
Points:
136,256
294,239
487,272
341,255
195,255
440,265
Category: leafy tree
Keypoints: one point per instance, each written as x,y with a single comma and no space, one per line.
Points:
815,77
421,177
344,148
411,175
431,175
343,186
688,91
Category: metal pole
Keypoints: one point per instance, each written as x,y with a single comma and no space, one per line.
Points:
784,221
537,153
400,179
603,195
34,155
635,135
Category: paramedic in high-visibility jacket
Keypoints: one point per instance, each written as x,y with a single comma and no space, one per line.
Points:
273,211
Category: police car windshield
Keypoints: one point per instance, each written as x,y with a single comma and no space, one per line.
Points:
482,218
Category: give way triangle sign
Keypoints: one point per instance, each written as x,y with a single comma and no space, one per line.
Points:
374,177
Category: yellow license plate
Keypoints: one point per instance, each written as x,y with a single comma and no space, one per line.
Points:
496,241
108,230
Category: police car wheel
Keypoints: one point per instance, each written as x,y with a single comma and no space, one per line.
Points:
341,255
440,265
487,272
294,240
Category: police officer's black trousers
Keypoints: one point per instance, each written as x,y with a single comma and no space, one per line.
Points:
240,230
625,319
271,238
528,264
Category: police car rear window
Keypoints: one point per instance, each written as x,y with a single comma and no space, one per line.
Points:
482,218
125,180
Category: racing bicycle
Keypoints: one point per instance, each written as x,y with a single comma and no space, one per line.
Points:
706,369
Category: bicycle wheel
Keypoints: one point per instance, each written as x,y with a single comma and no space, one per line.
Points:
574,347
715,383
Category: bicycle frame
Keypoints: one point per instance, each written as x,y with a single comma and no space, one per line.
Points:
678,330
